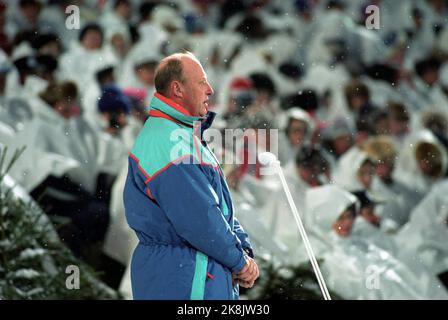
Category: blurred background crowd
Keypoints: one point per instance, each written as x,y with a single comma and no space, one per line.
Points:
361,114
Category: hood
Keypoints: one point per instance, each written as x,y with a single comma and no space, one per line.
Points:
407,170
297,113
325,204
346,174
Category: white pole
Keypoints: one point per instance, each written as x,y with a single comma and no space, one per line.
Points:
269,159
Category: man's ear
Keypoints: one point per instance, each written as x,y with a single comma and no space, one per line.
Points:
176,89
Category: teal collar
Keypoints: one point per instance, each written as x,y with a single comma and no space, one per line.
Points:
172,109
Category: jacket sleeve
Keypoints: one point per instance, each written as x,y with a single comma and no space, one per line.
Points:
190,203
243,237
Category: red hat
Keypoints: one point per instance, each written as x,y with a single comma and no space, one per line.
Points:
241,85
137,93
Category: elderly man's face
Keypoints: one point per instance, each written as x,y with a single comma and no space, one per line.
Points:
197,89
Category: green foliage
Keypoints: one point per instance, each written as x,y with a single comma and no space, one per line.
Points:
33,261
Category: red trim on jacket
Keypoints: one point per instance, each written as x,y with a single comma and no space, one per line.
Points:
160,114
143,172
168,165
149,178
150,194
173,104
138,166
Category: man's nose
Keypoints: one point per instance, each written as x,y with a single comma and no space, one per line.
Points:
210,90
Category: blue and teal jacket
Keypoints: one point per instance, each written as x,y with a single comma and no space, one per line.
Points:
178,203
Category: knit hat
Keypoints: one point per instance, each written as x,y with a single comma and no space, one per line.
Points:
135,92
113,100
242,87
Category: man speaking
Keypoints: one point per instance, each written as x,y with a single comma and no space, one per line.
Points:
191,246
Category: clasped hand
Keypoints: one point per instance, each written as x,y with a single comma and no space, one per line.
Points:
247,275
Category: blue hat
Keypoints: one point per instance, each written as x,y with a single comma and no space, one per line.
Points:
114,100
